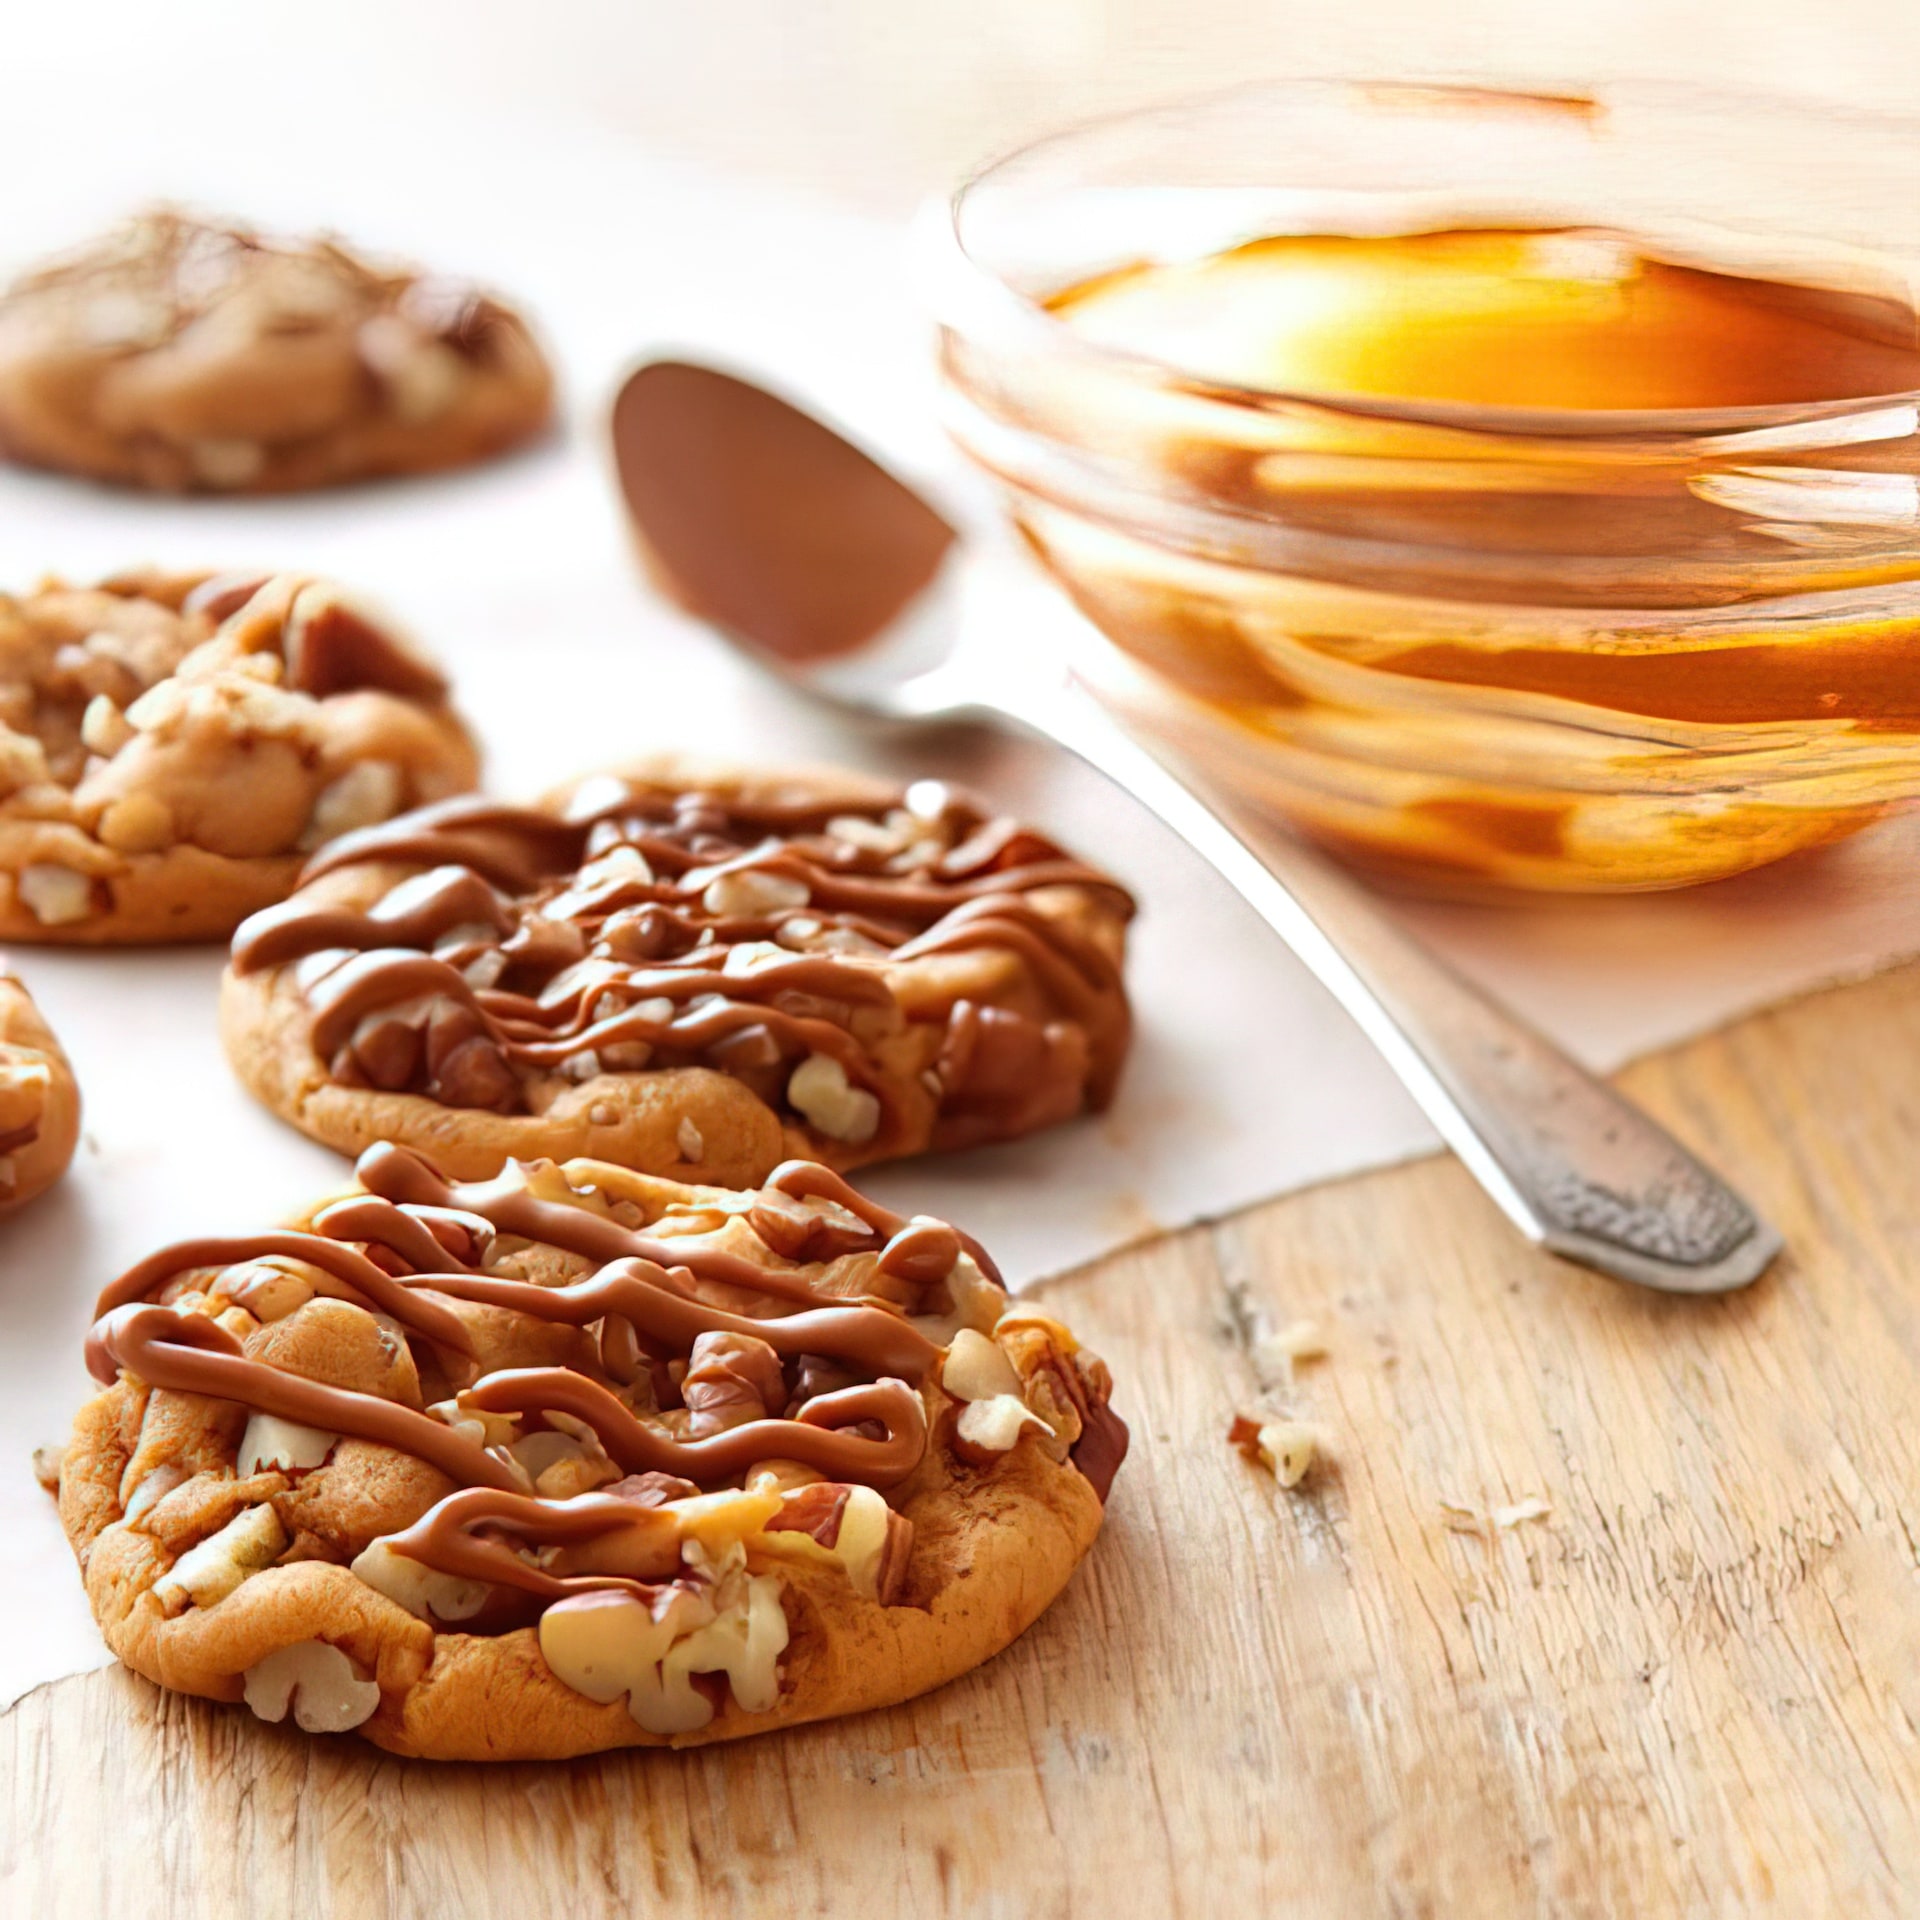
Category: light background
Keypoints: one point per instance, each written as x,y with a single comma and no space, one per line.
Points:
876,101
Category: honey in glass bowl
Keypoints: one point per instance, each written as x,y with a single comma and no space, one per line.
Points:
1500,498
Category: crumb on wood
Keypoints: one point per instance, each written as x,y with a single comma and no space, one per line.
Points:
1534,1507
1286,1448
1298,1341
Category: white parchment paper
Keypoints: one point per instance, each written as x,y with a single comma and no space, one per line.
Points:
1247,1081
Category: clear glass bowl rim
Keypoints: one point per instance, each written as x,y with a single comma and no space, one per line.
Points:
973,301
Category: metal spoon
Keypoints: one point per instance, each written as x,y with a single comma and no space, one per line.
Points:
830,572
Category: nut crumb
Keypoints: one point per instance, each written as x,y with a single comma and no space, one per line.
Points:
1483,1526
369,791
1534,1507
750,892
824,1097
46,1467
1286,1448
687,1138
1300,1340
56,896
104,729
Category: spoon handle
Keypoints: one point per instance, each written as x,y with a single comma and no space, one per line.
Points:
1576,1167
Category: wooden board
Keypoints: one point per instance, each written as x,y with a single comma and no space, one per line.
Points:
1693,1687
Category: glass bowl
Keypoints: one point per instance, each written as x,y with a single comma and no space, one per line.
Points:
1484,647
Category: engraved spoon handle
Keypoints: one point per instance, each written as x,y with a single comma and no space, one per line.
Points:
1576,1167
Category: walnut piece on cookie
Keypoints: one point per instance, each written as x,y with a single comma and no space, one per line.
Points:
172,748
688,971
194,356
39,1099
578,1458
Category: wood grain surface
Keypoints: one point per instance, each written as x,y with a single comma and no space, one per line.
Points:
1691,1688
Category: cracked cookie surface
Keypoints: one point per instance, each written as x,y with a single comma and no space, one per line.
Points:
689,970
173,748
578,1458
39,1099
195,356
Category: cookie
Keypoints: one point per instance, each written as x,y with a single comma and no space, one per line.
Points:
578,1458
193,356
172,749
39,1100
689,971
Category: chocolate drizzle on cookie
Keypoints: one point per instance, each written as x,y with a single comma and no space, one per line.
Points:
802,1325
645,928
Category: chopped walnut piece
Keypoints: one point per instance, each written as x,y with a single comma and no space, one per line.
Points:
824,1097
197,1506
23,761
272,1442
424,1593
464,1067
815,1510
807,1230
977,1368
369,791
388,1052
326,1691
731,1378
750,894
652,1489
1298,1340
103,727
204,1575
1286,1448
986,1429
563,1459
56,896
854,1524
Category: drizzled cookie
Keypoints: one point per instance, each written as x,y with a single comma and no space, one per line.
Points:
688,973
578,1458
39,1100
173,748
196,356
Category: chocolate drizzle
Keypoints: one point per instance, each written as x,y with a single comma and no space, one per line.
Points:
190,1353
642,928
667,1322
358,1279
417,1250
449,1539
818,1437
400,1175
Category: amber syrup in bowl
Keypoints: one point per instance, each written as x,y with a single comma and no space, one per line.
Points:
1513,492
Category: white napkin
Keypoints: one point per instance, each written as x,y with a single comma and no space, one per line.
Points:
1246,1081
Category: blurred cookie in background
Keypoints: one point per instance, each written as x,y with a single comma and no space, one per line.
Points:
197,356
174,748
